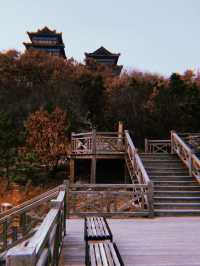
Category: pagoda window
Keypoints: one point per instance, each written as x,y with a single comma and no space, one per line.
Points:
45,40
105,61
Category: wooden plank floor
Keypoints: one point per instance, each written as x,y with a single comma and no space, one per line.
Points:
142,242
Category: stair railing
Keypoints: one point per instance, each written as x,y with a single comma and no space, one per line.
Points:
44,247
138,170
17,223
186,155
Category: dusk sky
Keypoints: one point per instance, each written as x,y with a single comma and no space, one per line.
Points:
160,36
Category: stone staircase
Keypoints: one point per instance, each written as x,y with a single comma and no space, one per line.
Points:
175,192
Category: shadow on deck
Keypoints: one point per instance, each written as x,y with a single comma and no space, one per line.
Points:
141,242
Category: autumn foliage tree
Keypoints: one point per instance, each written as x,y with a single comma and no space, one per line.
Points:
46,136
8,143
150,105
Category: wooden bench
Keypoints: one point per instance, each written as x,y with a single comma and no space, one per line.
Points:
104,253
96,228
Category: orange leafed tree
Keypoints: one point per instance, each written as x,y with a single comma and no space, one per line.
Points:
46,136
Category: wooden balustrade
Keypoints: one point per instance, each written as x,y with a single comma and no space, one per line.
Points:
182,150
97,143
157,146
108,200
186,154
136,169
195,167
18,223
44,247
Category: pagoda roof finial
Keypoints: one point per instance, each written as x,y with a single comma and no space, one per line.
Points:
44,31
102,51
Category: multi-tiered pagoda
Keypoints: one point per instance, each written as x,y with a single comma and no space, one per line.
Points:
104,57
46,40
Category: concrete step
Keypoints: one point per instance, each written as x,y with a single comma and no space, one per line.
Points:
176,193
167,169
174,199
157,160
177,188
165,164
158,155
178,212
171,178
166,173
178,206
160,158
175,183
170,168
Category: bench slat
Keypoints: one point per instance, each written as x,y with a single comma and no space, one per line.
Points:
104,225
93,227
114,255
103,255
98,233
96,228
92,255
98,255
108,255
99,228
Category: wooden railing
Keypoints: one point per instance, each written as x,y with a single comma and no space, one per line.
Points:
157,146
137,169
97,143
192,140
19,222
44,247
186,154
109,200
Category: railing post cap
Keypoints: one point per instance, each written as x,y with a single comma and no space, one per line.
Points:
65,182
55,204
21,256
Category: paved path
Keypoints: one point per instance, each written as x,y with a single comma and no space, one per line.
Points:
142,242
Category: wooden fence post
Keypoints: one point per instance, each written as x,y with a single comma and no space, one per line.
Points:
146,145
21,256
190,163
150,199
120,134
93,160
72,170
66,202
5,234
172,144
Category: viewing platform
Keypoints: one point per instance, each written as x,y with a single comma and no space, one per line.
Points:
96,146
141,242
103,145
163,181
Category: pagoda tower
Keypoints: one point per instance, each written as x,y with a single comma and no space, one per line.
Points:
104,57
46,40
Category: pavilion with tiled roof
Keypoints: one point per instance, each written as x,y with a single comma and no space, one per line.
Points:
104,57
46,40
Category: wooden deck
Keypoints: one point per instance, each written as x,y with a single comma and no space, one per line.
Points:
142,242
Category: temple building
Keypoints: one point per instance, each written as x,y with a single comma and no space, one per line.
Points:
104,57
46,40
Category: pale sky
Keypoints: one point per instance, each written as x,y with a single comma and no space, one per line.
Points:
160,36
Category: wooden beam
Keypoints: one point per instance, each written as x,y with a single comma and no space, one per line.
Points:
126,173
72,170
93,170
